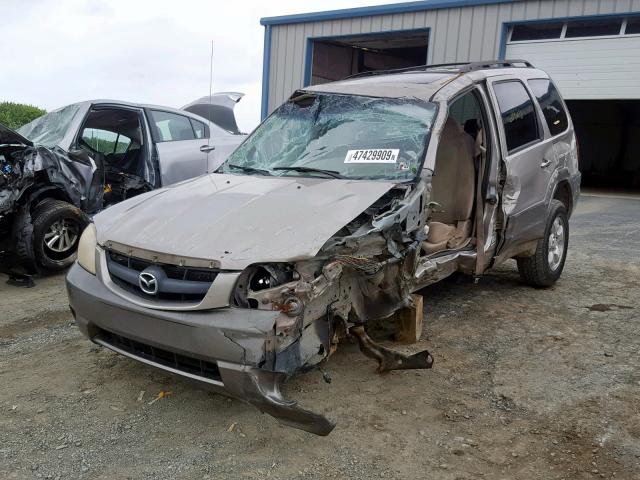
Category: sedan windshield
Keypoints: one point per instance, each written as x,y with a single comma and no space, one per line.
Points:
50,128
339,136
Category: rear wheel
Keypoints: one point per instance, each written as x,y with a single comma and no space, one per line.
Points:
545,267
57,227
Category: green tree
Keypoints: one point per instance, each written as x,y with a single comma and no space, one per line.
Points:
14,115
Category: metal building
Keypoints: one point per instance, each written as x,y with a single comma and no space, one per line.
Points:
590,47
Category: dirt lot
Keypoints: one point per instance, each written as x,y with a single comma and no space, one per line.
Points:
526,384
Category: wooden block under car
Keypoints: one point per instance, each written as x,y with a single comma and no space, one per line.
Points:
409,321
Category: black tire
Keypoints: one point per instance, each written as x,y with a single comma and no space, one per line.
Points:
540,270
48,217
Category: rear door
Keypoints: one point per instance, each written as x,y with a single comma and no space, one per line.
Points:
557,122
529,158
179,144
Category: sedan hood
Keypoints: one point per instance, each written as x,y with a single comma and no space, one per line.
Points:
239,220
11,137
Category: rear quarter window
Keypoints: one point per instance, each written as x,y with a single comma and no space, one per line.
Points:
518,114
551,104
199,129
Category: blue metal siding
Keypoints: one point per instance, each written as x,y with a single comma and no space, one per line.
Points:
266,68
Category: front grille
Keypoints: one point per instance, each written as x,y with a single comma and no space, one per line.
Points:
163,357
179,283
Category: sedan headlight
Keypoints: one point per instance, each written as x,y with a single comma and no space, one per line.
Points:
87,249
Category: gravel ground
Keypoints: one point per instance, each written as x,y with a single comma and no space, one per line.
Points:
526,384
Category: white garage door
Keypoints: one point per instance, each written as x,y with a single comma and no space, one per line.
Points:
588,59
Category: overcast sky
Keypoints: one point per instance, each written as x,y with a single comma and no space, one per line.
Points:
57,52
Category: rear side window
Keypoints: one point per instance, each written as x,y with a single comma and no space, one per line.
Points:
551,104
518,114
171,127
199,129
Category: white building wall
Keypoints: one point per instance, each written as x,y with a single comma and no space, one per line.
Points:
587,69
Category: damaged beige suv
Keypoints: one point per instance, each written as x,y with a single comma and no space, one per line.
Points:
345,200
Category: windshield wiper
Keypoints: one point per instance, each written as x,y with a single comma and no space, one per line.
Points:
244,168
330,173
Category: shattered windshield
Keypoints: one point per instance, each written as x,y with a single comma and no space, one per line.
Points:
50,128
346,136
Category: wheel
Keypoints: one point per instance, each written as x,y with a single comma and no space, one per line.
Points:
57,227
544,268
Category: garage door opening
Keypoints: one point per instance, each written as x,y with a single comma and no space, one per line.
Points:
608,134
338,57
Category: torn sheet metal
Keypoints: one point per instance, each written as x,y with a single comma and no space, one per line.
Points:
30,173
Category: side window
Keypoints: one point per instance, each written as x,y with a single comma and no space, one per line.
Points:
171,127
199,128
104,141
551,104
518,114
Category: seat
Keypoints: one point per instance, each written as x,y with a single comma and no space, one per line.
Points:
453,189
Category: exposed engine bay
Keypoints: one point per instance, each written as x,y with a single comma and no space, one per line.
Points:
364,273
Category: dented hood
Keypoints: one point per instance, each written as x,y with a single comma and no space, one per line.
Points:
11,137
239,220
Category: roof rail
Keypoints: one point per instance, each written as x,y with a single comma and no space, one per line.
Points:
460,67
486,64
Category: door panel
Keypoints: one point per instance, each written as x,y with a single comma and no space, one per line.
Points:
529,166
180,160
182,150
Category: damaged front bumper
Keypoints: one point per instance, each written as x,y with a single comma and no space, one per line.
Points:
218,348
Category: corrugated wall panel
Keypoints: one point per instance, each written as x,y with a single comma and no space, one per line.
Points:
464,36
588,69
456,34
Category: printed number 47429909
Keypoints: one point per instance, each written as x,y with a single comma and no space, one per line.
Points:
372,155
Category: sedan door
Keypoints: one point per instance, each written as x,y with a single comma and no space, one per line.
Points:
181,154
529,158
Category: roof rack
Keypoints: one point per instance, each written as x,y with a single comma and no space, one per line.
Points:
460,67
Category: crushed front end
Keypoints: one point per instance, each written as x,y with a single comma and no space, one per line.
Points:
310,231
243,333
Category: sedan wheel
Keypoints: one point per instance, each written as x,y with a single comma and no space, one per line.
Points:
57,226
62,235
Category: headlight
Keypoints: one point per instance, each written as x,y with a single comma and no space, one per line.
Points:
87,249
260,277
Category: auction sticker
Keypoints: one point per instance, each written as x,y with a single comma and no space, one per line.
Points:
372,155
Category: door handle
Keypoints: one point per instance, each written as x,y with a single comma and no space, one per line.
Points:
207,148
545,164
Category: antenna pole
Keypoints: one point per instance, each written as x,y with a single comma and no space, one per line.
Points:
210,90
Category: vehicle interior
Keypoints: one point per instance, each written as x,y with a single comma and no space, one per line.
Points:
116,137
456,176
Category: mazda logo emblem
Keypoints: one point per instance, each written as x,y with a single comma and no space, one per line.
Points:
148,283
